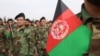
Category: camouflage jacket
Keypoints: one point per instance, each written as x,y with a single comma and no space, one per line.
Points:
2,38
41,35
23,40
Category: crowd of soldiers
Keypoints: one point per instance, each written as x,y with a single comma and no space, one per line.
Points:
23,37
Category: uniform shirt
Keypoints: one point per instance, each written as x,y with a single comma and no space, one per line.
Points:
41,36
31,39
2,38
22,41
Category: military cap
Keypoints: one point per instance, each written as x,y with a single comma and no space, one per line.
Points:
20,15
28,20
10,19
0,19
42,18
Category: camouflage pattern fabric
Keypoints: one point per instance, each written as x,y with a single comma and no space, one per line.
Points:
41,36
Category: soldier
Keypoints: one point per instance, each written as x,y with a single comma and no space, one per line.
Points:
41,35
27,23
11,22
33,23
49,23
8,25
37,22
32,29
90,15
23,38
2,39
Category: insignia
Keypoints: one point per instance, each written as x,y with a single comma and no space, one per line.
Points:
59,29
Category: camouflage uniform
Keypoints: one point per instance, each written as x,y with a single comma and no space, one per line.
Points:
41,36
31,31
23,40
2,41
94,25
9,40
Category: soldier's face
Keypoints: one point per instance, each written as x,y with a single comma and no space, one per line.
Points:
43,22
94,2
27,23
11,22
20,21
37,23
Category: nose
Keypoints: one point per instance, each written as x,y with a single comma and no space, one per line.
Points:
18,21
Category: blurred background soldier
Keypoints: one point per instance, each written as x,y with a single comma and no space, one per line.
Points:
27,23
49,23
2,39
8,27
37,23
29,27
41,35
10,22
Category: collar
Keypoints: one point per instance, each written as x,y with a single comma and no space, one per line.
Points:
19,29
84,14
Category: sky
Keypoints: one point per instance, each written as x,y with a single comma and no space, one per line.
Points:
35,9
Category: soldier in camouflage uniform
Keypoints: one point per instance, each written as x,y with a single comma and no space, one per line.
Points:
90,16
2,39
41,36
32,29
23,39
37,23
10,23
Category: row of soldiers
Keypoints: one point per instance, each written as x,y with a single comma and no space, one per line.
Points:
23,37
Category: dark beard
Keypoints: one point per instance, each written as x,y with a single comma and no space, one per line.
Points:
94,2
